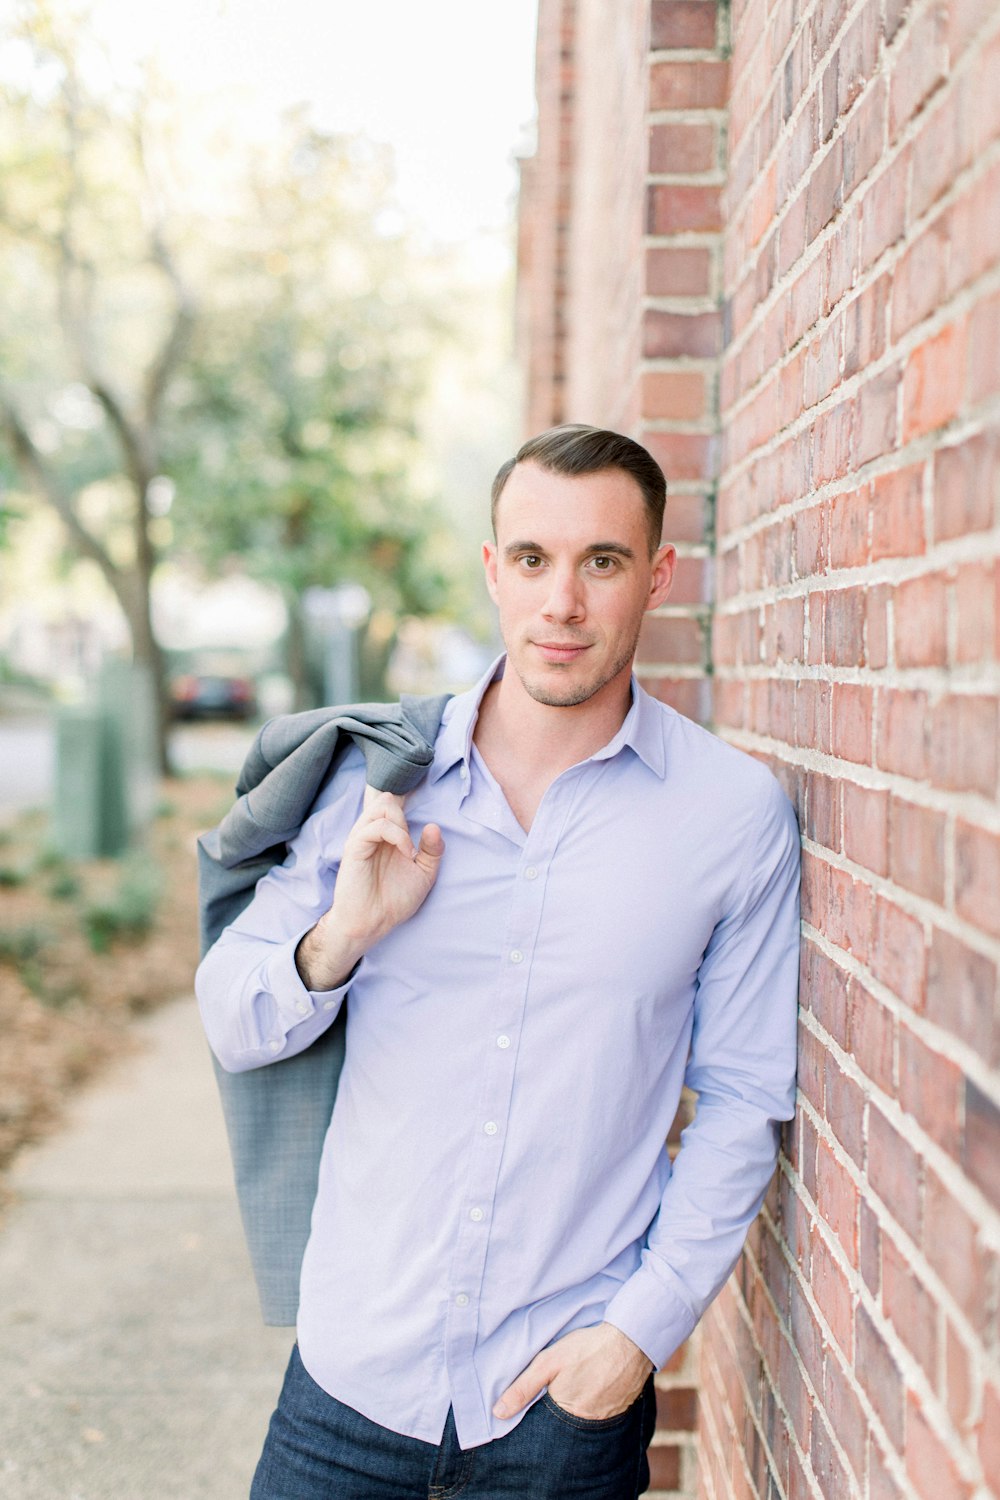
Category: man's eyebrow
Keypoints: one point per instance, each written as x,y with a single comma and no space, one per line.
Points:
618,549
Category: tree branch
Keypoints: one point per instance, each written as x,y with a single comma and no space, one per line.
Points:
41,477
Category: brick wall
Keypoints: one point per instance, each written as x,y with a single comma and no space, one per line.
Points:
856,1352
834,316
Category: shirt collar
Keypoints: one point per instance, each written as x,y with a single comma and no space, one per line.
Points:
641,731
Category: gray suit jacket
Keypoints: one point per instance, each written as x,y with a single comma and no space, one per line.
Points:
277,1117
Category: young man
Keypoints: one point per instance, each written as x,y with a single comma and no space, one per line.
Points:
588,901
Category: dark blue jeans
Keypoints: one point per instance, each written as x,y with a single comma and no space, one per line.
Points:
319,1449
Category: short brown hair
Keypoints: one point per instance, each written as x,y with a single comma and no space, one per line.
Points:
575,449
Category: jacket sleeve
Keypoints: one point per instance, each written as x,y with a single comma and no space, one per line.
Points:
742,1067
254,1006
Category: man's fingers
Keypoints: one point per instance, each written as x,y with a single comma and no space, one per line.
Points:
430,849
381,830
524,1389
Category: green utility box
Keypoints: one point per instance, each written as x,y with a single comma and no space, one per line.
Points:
105,767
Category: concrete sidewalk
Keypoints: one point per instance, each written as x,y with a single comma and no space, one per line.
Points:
133,1362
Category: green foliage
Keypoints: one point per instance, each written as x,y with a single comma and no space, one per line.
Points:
127,915
20,945
12,876
64,886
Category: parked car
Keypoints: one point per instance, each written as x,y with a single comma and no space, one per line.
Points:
214,688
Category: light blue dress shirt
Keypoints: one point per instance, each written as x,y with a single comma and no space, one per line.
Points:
495,1172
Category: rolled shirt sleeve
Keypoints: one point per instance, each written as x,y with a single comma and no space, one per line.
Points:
742,1067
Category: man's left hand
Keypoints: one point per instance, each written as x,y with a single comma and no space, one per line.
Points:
592,1372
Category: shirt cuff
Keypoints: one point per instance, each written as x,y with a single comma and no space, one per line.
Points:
284,983
652,1312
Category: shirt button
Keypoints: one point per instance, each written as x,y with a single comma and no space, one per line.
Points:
464,773
531,873
461,1300
491,1127
302,1008
329,1004
503,1041
275,1046
516,956
476,1214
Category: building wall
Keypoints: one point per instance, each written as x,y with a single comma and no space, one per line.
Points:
815,281
855,1354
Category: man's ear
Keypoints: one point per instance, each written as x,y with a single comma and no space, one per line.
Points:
664,563
490,568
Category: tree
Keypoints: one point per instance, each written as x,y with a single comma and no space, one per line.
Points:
257,337
96,318
295,438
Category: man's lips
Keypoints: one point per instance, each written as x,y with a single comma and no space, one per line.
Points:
556,651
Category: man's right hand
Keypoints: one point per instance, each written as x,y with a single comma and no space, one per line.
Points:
381,882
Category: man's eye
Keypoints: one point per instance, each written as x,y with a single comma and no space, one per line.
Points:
532,560
603,564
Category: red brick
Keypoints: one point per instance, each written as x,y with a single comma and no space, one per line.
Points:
667,335
833,1295
848,913
981,1147
844,627
682,455
812,547
844,1412
910,1308
822,812
678,271
883,212
675,208
984,349
784,627
977,876
959,1380
989,1430
681,24
813,723
902,729
929,1460
943,146
825,190
930,1089
877,627
665,1466
849,518
865,325
898,513
916,848
920,622
871,1250
952,1246
852,722
677,1408
880,1377
688,85
895,1173
921,64
876,426
899,957
934,380
866,827
918,287
863,134
962,994
872,1037
672,639
680,394
967,485
882,1484
963,744
838,1195
823,991
685,518
977,618
825,1462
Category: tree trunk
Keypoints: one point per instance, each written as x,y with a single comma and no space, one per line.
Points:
296,655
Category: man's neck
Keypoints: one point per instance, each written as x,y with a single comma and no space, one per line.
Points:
527,744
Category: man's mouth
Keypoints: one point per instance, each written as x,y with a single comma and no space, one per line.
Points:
557,651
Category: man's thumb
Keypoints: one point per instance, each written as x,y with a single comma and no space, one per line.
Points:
430,848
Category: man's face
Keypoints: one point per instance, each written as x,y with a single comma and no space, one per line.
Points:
572,576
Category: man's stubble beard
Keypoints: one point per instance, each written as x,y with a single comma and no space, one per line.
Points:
572,697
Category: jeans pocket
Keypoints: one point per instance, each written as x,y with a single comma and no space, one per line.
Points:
591,1424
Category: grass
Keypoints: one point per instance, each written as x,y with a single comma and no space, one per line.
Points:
129,913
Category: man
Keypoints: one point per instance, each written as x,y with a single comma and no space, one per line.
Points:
589,900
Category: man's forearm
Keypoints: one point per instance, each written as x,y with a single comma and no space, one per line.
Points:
326,957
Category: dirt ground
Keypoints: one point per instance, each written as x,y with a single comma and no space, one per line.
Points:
87,945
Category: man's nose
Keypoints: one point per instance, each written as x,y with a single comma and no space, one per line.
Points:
564,600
